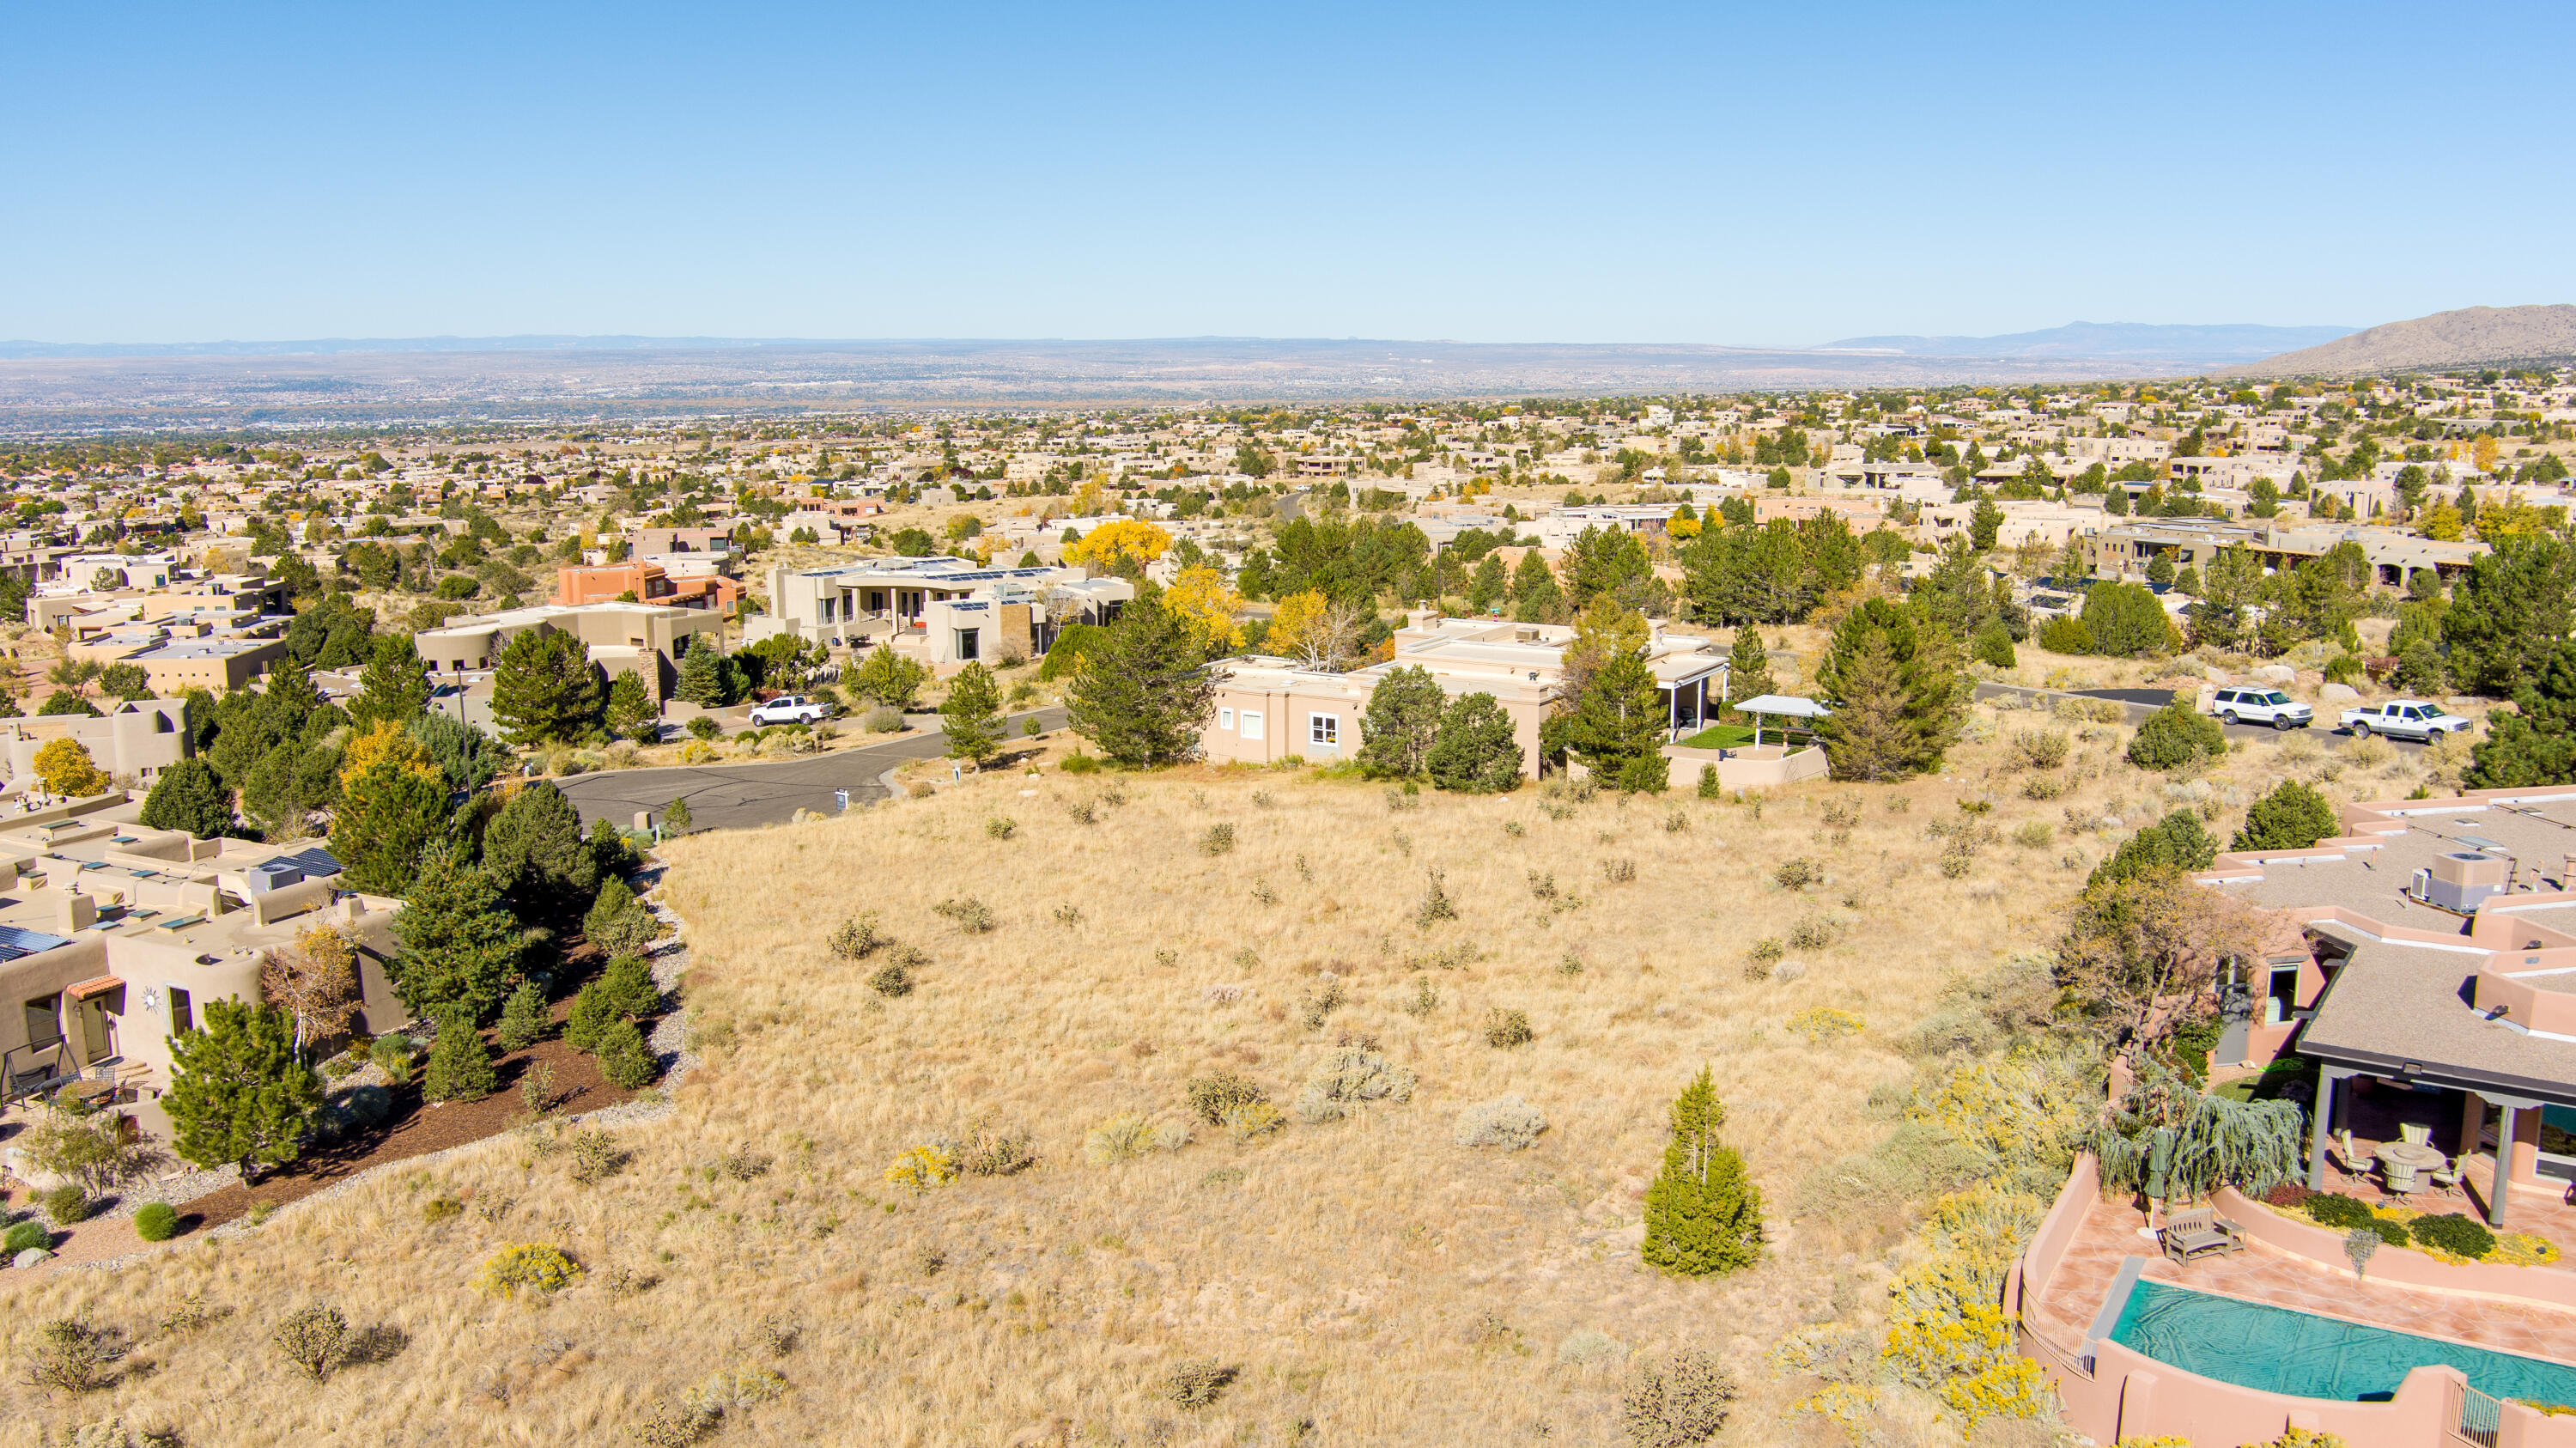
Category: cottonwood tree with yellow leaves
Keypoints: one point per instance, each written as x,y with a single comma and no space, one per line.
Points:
1205,605
1315,630
66,768
1119,546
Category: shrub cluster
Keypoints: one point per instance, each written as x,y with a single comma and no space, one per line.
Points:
1505,1121
1211,1095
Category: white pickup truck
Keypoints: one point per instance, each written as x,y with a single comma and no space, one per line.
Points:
2404,719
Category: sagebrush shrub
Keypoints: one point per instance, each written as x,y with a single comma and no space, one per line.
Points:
1436,905
969,914
1000,827
1506,1028
74,1357
1120,1138
1218,839
1352,1075
2039,748
1796,873
1505,1121
1252,1119
894,978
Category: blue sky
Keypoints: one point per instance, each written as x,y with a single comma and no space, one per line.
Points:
1715,173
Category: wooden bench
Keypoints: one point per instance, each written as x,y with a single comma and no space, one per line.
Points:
2199,1232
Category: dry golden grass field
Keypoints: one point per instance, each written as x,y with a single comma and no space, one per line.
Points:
1368,1280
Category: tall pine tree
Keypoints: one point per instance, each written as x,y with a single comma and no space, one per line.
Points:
389,813
2536,743
1703,1213
1144,690
546,691
1748,666
534,851
971,716
394,686
1898,694
458,944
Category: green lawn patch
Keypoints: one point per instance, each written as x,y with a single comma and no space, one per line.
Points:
1721,736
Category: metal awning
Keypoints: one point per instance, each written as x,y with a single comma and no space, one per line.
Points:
1788,705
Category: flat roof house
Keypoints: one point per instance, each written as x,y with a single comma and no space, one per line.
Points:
1268,708
638,638
947,610
113,938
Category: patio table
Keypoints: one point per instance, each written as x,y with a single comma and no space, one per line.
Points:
2404,1159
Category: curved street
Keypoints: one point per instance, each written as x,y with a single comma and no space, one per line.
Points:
745,796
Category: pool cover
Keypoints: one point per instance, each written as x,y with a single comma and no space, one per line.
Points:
2306,1356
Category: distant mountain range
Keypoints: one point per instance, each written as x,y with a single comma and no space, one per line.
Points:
2470,337
2197,346
337,346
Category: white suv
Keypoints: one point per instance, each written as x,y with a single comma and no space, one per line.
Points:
2262,706
789,709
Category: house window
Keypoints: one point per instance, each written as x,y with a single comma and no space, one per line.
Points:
1251,723
1324,729
182,1014
966,643
1225,720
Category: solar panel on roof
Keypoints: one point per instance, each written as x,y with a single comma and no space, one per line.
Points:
317,861
28,942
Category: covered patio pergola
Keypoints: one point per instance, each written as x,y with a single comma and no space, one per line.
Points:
1780,706
2398,1014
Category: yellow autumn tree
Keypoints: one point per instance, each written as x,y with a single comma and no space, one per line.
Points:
387,740
66,768
1314,630
1129,538
1205,605
1682,527
2484,452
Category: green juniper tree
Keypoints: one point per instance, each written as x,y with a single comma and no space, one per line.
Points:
1703,1212
1477,750
546,691
238,1092
1402,723
189,797
2291,817
2536,743
971,716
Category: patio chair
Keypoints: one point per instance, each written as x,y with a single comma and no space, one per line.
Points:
2354,1163
2446,1177
2199,1232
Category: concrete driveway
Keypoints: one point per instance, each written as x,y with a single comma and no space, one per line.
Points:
745,796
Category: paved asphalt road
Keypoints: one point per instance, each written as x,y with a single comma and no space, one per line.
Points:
742,796
2142,702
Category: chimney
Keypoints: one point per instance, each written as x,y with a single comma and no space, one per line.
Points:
75,913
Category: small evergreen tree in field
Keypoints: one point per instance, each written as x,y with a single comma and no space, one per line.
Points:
1402,723
628,984
238,1094
523,1018
623,1056
675,818
631,714
971,716
593,1011
2175,735
1993,644
1703,1213
1144,690
1748,666
618,923
189,797
460,1063
456,941
1477,751
2175,844
546,690
1898,695
2291,817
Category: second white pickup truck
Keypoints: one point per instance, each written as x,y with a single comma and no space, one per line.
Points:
2404,719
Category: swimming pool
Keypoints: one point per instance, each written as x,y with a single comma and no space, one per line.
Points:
2306,1356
